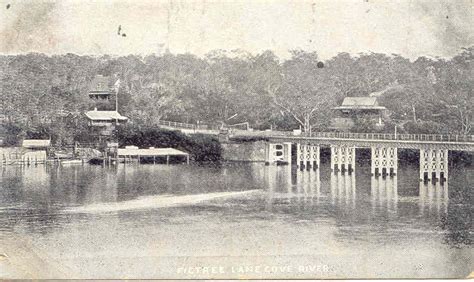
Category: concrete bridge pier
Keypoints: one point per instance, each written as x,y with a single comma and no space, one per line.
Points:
307,156
433,164
384,161
342,158
278,153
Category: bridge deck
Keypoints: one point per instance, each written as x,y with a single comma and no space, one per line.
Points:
359,140
367,140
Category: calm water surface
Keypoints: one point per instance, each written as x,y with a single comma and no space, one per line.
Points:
233,221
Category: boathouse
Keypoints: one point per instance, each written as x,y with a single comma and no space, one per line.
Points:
36,144
133,152
354,108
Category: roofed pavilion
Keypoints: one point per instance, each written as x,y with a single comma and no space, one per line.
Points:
353,108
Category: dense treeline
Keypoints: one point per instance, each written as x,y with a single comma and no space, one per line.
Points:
424,96
202,148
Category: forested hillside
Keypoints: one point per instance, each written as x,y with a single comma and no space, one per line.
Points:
424,96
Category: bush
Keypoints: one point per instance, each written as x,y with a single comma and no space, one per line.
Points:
202,148
363,124
247,139
13,134
423,127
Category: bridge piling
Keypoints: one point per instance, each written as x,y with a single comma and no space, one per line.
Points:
384,161
298,155
433,164
343,158
307,156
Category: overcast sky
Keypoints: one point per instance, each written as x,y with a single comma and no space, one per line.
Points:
407,27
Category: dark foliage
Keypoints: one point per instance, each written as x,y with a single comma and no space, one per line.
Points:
423,127
422,96
13,134
202,148
245,139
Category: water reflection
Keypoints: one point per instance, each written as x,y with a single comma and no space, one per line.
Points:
434,197
384,192
308,186
279,184
287,185
34,198
343,189
299,188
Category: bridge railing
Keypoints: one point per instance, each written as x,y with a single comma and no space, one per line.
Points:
391,136
187,125
343,135
361,136
176,124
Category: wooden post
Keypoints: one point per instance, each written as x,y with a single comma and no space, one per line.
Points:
430,163
445,156
395,161
154,159
302,156
311,156
318,156
298,154
438,155
167,159
372,160
332,158
340,158
422,164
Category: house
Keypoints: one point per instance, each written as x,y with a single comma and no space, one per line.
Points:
101,88
357,108
105,121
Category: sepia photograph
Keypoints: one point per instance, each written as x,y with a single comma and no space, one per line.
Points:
236,139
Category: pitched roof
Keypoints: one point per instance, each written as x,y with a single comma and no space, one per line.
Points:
105,115
36,143
360,103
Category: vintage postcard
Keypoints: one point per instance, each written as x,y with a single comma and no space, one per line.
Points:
278,139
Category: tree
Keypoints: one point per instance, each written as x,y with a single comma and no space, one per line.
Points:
307,92
454,92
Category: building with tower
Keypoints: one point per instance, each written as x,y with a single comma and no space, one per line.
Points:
103,122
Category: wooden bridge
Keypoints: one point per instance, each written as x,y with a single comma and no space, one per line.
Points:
368,140
384,150
283,145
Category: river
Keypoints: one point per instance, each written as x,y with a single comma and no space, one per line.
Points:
233,221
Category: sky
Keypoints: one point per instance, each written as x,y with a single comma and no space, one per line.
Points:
410,28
